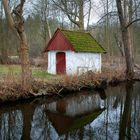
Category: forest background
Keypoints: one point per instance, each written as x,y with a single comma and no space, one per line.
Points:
43,17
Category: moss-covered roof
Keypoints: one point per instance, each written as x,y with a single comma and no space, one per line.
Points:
83,42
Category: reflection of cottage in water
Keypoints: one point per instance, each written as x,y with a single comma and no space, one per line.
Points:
72,113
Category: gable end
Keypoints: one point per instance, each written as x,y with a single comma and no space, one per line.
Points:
59,42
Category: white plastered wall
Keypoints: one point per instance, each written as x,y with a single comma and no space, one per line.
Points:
52,62
76,62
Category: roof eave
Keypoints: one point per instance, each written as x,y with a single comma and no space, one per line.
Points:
91,51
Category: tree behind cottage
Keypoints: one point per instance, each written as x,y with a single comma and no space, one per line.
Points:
125,12
74,10
110,35
17,25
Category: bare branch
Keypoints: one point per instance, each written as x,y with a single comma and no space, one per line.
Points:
138,5
113,12
66,11
136,20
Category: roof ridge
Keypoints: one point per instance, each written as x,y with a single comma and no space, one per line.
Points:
75,31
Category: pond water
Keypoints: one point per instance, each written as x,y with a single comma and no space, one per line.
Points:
106,115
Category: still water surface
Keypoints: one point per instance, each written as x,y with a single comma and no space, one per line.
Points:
110,115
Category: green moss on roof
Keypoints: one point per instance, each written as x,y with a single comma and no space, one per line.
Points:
83,42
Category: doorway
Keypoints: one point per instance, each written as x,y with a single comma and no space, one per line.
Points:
60,63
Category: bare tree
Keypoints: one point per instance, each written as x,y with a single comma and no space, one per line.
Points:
89,13
74,9
17,25
42,7
125,16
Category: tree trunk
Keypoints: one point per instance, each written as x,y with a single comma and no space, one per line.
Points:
24,50
18,28
4,56
25,63
81,15
126,37
89,14
125,17
49,29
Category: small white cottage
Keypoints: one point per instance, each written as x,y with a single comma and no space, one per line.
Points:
73,52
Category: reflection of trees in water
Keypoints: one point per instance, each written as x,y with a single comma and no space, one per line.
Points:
40,125
125,120
135,120
130,119
107,125
30,121
27,114
11,124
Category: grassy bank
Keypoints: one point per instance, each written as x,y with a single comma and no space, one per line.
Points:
46,84
15,71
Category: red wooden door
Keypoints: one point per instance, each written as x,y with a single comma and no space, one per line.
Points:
60,63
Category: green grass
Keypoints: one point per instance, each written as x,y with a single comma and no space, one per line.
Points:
16,71
39,73
7,69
